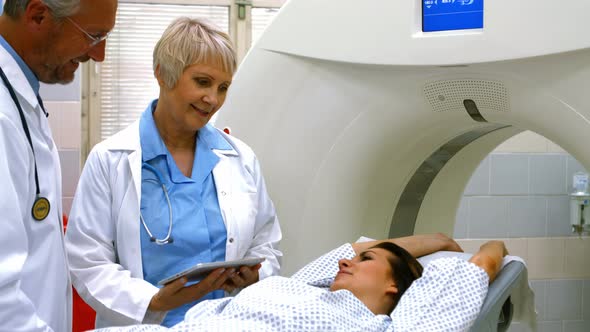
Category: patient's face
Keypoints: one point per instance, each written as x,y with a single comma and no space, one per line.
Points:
367,275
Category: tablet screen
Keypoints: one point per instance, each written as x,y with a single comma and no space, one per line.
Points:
201,270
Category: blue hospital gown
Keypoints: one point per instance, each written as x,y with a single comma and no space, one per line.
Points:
446,298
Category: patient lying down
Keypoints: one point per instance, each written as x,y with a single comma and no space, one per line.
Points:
359,287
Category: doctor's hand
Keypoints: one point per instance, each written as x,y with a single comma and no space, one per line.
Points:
175,294
243,277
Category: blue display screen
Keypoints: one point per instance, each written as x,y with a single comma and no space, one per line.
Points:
441,15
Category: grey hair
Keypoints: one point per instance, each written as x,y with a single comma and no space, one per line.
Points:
59,8
187,41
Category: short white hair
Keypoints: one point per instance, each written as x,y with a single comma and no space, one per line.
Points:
187,41
59,8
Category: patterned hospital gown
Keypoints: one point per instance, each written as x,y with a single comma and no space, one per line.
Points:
446,298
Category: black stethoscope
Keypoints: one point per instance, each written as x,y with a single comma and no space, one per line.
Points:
41,206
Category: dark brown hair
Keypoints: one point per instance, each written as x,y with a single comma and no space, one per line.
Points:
405,268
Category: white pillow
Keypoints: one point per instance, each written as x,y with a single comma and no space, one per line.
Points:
425,260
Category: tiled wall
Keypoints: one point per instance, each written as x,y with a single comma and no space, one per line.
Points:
562,306
64,107
519,193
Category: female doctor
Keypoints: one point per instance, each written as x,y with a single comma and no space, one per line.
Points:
171,191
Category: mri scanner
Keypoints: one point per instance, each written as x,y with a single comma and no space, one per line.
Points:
365,123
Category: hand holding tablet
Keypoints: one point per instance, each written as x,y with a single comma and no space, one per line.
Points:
200,270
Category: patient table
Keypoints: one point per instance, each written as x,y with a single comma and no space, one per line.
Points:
509,296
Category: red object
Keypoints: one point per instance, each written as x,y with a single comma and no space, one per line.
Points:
227,130
83,314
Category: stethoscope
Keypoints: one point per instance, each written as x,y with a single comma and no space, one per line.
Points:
160,181
41,206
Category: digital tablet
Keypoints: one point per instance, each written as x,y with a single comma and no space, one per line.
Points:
201,270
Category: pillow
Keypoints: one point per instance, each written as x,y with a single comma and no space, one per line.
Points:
425,260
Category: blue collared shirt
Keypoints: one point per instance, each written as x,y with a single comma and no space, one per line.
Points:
198,229
33,81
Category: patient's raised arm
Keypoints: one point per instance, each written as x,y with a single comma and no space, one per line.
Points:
416,245
489,257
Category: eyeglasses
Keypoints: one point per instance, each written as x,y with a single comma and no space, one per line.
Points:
94,40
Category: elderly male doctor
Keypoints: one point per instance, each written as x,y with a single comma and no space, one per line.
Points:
39,41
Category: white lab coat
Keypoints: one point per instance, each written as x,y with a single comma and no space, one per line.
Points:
103,237
35,290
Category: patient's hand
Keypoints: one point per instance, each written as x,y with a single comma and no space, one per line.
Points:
422,245
416,245
447,243
245,276
489,257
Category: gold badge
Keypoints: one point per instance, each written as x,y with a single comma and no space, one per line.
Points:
41,208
